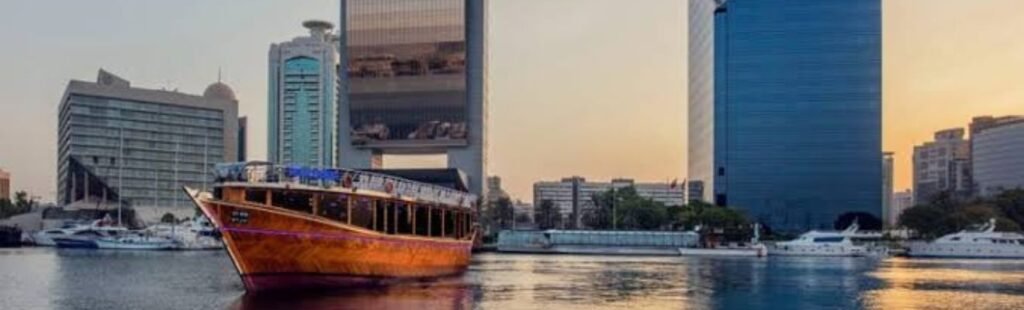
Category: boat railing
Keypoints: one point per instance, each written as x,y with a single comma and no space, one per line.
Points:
355,180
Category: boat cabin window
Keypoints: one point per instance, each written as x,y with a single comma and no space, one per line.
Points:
362,213
293,200
449,224
435,222
258,196
421,220
334,207
828,239
403,217
955,239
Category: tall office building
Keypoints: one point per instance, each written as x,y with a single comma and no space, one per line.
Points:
573,196
139,146
5,184
785,108
414,82
303,98
997,154
887,164
942,166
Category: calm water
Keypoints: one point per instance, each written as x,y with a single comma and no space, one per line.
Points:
42,278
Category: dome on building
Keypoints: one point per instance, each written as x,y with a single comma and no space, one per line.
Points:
219,91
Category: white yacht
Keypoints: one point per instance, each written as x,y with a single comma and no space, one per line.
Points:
849,242
100,227
984,242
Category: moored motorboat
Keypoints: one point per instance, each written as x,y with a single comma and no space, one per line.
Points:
831,243
291,227
984,242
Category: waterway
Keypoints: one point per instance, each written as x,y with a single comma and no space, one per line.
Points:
45,278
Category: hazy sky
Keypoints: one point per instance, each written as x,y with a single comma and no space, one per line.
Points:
578,87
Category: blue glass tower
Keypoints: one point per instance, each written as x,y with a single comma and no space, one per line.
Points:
788,125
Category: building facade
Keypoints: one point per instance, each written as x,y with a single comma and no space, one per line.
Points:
303,98
901,201
785,108
5,185
414,81
142,145
573,195
942,166
887,165
997,157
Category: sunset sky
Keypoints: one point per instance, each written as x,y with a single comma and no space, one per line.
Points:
594,88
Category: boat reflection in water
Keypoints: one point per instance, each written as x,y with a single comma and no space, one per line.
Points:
444,293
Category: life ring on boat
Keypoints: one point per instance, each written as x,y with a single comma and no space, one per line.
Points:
389,187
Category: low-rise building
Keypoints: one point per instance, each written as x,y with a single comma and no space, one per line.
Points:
901,201
573,195
5,184
942,165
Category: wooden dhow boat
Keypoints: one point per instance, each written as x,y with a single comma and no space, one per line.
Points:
289,227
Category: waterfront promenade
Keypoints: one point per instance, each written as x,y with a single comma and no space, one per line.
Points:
46,278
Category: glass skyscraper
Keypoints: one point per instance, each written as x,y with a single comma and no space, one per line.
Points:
785,108
413,78
303,98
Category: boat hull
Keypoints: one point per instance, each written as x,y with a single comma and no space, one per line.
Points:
75,243
275,249
144,246
979,251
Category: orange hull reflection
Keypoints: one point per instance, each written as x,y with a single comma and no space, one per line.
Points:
273,248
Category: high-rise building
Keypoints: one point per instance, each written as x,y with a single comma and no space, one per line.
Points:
140,146
303,98
785,108
414,81
573,196
901,201
887,164
997,158
5,185
942,166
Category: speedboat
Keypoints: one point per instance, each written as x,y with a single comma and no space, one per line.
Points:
830,243
136,241
984,242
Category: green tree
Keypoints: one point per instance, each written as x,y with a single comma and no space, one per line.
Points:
22,204
168,218
624,208
547,215
501,213
706,215
1011,203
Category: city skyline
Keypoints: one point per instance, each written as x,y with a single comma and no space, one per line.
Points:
929,83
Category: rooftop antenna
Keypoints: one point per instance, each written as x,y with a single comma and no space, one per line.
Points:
218,74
